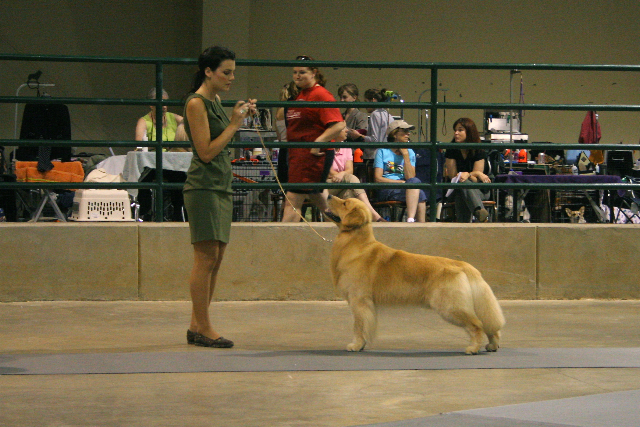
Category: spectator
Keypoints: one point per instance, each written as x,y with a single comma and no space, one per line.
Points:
146,126
306,124
467,165
399,165
342,171
379,120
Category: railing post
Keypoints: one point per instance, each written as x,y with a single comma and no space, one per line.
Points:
159,193
433,136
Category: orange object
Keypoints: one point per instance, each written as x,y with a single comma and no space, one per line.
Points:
357,156
61,172
522,156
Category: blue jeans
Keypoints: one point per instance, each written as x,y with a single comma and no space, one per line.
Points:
398,194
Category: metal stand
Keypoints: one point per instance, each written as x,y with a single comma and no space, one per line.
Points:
48,198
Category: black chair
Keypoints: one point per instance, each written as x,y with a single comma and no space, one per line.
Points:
8,199
173,201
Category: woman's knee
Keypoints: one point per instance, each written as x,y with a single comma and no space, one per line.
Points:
351,179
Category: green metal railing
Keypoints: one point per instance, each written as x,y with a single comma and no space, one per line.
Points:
433,105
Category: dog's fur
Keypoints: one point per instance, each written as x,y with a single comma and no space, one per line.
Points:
576,217
368,273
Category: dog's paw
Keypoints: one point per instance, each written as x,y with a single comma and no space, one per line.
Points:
472,349
355,347
491,347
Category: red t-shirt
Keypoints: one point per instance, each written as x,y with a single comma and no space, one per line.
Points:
305,124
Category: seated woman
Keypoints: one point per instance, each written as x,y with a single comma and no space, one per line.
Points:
146,126
468,166
399,165
342,171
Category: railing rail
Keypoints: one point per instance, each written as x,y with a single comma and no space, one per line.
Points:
433,145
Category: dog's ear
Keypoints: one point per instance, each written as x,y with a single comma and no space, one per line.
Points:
356,217
581,210
569,211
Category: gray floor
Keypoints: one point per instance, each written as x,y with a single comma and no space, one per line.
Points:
570,363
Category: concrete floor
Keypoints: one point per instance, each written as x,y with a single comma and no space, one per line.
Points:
316,398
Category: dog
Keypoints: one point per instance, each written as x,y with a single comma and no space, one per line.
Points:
576,217
368,273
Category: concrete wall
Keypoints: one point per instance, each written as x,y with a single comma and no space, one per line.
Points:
267,261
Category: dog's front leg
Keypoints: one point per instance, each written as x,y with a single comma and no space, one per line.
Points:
364,322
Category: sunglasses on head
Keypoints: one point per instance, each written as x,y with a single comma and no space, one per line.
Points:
304,58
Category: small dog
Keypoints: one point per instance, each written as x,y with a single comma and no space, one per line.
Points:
368,273
576,217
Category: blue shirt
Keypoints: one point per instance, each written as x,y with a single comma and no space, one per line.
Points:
392,164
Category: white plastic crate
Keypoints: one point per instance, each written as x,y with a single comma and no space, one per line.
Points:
101,205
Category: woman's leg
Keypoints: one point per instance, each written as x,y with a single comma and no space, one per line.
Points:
362,195
289,214
319,200
468,204
207,259
416,205
412,196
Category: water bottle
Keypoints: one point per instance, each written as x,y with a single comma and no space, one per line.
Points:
574,170
2,217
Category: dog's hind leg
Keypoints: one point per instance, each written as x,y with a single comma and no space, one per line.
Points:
471,324
364,323
494,342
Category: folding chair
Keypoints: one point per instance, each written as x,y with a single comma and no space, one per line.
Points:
61,172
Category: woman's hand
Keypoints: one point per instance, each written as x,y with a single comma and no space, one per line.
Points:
338,177
483,178
354,134
464,176
243,110
316,152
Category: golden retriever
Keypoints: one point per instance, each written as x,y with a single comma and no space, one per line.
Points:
368,273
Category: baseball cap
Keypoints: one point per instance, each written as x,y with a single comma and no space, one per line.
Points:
399,124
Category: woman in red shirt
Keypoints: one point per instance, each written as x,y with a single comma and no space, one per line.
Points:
310,125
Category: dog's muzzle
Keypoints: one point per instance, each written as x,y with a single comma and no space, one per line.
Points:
333,217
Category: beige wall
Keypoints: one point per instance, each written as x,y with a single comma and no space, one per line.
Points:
527,31
97,28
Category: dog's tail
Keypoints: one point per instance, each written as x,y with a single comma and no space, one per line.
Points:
485,303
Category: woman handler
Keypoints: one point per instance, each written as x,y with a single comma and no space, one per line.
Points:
207,190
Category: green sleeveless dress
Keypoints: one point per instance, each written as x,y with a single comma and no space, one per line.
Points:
208,197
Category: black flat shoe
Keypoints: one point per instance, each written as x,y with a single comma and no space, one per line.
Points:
203,341
191,337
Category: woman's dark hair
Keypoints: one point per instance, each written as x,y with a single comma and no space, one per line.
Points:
211,58
350,88
377,94
470,129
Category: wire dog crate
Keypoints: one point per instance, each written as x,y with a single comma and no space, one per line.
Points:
253,205
574,200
